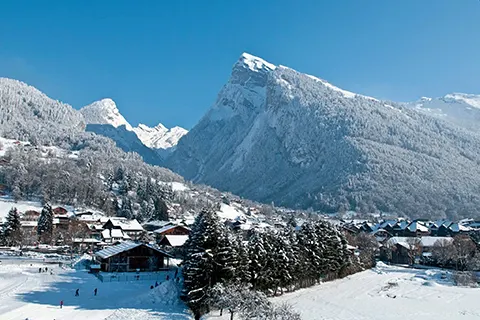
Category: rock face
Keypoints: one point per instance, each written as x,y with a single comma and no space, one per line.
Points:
275,134
28,114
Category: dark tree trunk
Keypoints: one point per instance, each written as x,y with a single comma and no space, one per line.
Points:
231,315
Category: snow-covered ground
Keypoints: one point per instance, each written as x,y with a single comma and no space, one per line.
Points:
385,293
26,293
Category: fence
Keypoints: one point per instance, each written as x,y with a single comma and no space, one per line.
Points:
124,277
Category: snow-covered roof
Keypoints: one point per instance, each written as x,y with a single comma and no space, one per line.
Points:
456,227
87,240
176,240
426,241
169,227
417,226
106,234
126,225
122,247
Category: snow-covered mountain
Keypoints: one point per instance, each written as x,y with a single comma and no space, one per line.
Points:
105,112
28,114
159,137
275,134
459,108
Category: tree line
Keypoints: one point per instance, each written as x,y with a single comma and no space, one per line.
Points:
269,261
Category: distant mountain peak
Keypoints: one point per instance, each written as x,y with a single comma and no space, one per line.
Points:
159,137
104,111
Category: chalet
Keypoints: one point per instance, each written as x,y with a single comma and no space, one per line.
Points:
31,215
416,229
131,256
114,236
28,226
400,249
399,228
381,235
131,228
60,211
172,230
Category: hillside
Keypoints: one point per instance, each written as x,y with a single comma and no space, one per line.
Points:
277,135
28,114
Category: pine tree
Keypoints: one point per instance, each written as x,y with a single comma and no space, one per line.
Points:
161,210
258,260
202,269
45,224
12,230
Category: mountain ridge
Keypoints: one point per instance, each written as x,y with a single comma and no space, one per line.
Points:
274,134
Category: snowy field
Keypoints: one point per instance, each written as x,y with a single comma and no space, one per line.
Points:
385,293
26,293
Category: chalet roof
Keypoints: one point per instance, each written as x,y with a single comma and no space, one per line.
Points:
417,226
169,227
125,246
424,241
125,224
176,240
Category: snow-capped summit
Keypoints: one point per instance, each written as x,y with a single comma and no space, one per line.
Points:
255,63
275,134
159,137
104,111
469,99
459,108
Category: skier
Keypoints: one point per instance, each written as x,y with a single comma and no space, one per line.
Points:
61,304
168,277
39,270
77,293
95,292
156,284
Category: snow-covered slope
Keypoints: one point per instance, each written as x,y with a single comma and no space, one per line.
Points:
28,114
159,137
275,134
459,108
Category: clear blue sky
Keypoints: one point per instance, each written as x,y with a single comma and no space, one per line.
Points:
165,61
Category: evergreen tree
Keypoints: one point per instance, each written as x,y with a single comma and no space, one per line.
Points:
45,224
202,268
12,230
161,210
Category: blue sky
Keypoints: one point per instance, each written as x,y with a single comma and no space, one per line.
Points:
165,61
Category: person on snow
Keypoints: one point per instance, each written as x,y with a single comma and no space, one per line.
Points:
156,284
61,304
77,293
95,292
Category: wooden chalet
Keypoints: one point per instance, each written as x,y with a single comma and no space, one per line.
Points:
131,256
176,230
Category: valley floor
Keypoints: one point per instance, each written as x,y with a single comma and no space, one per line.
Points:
27,294
385,293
